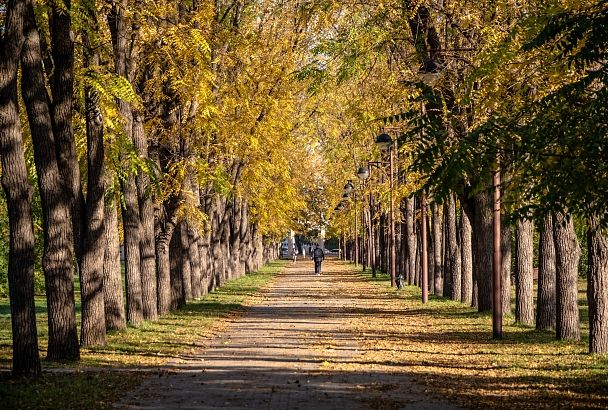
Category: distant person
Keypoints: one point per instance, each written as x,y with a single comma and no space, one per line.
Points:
318,255
294,253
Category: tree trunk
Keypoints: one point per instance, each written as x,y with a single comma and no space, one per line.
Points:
186,271
411,240
453,285
57,261
93,329
482,250
597,288
467,256
177,282
383,248
147,251
567,254
130,214
163,263
112,272
62,89
524,306
505,269
438,251
18,191
545,301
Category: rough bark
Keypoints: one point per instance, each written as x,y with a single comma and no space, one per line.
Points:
545,301
482,250
18,191
185,253
177,283
130,213
505,269
524,285
57,261
93,329
567,254
147,250
452,287
597,288
411,240
438,250
195,247
112,276
163,263
62,89
466,257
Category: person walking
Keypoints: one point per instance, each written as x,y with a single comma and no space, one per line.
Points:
318,255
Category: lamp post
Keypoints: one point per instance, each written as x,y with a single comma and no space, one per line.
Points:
386,143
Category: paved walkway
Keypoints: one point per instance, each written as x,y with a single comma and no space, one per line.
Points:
291,351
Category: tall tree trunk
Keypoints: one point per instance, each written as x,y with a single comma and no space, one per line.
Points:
453,287
112,272
482,250
195,247
62,89
93,329
524,306
130,215
545,301
467,256
597,288
567,252
505,269
438,251
57,261
177,283
186,271
411,240
18,193
147,250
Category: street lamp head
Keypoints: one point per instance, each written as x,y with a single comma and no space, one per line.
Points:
384,141
348,188
363,173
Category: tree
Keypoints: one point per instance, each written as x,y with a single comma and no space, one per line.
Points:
597,292
58,256
19,197
545,305
93,329
567,253
524,307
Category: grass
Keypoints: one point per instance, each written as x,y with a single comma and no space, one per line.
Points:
448,347
149,345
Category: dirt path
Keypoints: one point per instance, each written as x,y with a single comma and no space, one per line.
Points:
291,351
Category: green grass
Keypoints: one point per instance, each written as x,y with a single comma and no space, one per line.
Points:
90,390
149,345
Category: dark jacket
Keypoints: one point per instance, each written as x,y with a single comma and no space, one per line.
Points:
318,254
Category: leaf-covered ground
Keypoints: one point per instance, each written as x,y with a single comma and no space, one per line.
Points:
448,347
93,382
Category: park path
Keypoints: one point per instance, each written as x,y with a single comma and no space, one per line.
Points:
291,351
